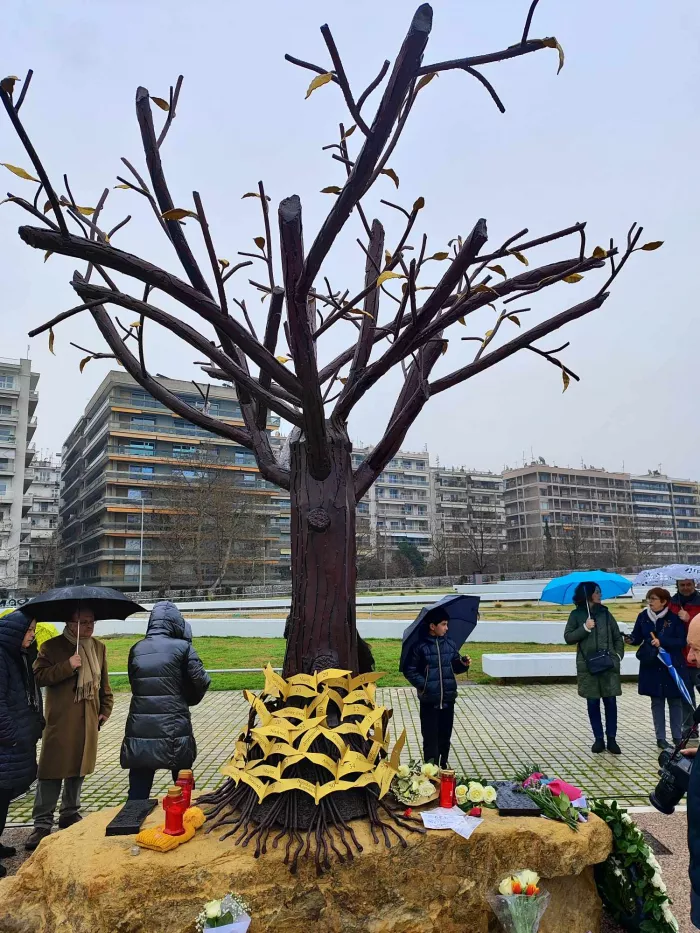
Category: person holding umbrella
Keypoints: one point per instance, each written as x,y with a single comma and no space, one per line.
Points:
73,668
658,628
431,665
21,719
599,651
686,604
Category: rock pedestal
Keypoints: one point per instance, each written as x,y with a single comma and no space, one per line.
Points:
80,881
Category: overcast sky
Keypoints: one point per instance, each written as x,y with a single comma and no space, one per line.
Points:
613,139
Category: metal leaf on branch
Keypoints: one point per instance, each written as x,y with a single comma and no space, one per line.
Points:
318,82
159,102
500,270
19,172
552,43
573,278
392,174
565,379
84,362
520,257
8,84
388,274
655,244
178,213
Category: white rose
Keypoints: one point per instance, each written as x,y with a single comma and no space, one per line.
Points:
425,788
657,881
527,877
506,886
414,785
626,818
651,860
212,910
403,771
475,793
490,796
461,791
430,770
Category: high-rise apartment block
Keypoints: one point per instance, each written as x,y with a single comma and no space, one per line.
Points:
18,401
120,461
563,515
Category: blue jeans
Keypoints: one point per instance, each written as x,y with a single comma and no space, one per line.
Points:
610,704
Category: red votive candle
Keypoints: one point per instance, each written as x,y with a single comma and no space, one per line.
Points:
448,783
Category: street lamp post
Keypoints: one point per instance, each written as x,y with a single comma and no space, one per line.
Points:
141,550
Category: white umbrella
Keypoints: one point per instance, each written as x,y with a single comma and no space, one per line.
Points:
668,574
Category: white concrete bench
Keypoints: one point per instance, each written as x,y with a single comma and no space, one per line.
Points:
554,664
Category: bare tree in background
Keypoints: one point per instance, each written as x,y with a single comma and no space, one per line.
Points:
403,309
212,530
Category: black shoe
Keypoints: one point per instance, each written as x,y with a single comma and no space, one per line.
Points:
3,871
598,746
36,837
444,765
613,747
7,852
65,822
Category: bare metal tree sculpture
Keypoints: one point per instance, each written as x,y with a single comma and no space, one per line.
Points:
408,331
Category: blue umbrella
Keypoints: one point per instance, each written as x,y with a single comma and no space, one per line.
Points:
561,589
665,659
462,612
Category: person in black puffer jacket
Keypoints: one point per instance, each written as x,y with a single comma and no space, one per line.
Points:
21,720
166,677
431,669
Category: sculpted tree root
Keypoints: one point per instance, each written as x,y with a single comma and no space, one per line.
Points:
318,759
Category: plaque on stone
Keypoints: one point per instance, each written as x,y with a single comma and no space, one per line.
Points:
513,802
130,818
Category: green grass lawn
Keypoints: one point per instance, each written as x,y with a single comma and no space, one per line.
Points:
256,652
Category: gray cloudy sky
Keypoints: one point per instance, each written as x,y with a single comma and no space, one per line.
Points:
611,140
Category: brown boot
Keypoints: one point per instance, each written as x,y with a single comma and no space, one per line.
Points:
65,821
39,833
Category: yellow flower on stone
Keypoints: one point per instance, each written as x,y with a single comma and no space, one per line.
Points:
475,792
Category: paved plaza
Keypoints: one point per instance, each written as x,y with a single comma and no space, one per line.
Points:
496,730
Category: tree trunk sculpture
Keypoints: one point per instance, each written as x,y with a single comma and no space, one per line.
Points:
409,331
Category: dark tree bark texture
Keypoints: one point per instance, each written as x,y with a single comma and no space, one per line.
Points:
322,631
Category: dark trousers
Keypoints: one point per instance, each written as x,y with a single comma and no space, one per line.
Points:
610,704
692,682
141,782
5,798
436,729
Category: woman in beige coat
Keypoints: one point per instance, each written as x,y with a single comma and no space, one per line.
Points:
73,669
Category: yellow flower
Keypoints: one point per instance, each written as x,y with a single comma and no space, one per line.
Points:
429,770
403,771
528,877
475,792
489,794
461,792
212,910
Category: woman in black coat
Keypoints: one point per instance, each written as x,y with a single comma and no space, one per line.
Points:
166,677
657,627
21,721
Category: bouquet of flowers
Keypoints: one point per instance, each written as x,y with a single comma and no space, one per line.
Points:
414,783
519,904
473,795
229,915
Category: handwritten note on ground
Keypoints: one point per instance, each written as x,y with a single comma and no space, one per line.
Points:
454,819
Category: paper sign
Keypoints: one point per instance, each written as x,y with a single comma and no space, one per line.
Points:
466,826
441,817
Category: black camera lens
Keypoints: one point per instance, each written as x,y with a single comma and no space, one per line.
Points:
666,795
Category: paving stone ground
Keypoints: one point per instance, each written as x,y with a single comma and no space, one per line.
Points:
496,729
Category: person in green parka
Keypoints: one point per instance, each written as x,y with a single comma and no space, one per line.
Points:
593,629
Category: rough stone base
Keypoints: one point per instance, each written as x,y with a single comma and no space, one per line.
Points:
79,881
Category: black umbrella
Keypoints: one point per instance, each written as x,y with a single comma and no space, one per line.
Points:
462,612
59,605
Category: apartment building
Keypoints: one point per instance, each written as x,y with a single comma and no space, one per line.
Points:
18,401
397,507
468,522
39,551
563,515
120,465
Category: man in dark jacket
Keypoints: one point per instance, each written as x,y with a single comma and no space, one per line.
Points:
166,677
20,715
431,669
686,604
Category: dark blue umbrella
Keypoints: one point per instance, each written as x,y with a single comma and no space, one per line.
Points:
462,612
665,659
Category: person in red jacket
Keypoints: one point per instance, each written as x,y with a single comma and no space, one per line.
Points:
686,604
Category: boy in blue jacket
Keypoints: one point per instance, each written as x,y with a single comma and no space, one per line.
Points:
431,668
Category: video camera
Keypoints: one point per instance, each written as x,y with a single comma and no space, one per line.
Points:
674,774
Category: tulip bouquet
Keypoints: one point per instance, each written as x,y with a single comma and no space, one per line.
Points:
520,903
229,915
414,783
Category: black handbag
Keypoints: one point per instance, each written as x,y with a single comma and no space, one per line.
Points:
601,661
647,654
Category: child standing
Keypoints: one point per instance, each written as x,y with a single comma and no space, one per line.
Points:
431,668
